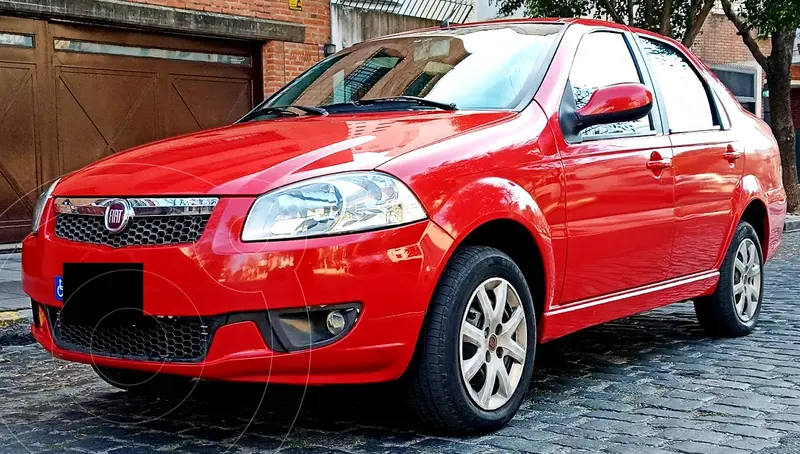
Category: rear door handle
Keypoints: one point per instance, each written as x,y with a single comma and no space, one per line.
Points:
660,164
731,154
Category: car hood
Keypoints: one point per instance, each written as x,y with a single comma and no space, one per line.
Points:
253,158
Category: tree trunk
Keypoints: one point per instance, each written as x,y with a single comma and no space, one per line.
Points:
779,81
693,29
665,27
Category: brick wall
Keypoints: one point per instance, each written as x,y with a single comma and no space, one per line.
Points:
718,42
282,61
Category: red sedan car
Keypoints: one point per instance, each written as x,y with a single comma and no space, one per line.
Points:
429,206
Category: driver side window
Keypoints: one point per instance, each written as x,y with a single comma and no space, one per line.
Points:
602,59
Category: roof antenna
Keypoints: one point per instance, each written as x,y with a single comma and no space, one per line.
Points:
446,21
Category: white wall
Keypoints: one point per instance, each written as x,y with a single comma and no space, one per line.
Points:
353,25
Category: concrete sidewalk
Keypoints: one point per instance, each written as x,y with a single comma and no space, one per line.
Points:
11,295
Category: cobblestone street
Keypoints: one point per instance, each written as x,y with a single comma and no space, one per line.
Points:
649,383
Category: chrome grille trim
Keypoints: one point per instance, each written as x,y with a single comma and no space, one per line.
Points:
164,206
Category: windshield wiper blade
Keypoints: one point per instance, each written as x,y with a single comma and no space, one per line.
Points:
280,110
310,110
411,99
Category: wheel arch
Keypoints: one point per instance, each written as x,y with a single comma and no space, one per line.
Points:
748,204
755,214
510,220
515,240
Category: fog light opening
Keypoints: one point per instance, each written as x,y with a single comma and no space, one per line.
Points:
335,322
298,329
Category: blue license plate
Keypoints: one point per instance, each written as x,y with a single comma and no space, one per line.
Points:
59,288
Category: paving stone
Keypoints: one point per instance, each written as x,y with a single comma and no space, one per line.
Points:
620,416
750,444
522,445
616,427
682,433
747,431
695,447
784,426
686,423
689,395
733,411
672,403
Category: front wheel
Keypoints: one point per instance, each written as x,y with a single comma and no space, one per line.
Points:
733,309
477,348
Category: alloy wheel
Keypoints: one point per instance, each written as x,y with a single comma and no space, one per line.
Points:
493,343
746,280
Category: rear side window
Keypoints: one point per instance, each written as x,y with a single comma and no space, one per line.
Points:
603,58
685,95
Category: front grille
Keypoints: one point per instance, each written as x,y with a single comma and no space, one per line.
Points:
149,338
140,231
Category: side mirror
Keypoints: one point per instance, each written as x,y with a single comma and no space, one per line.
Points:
615,103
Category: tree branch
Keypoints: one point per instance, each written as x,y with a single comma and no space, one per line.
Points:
666,16
697,24
744,32
612,11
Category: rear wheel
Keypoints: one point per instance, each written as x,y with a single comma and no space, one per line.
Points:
476,352
733,309
145,382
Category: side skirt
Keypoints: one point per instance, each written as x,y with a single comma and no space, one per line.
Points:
576,316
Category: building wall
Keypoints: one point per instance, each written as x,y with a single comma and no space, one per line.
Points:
281,61
353,25
718,45
718,42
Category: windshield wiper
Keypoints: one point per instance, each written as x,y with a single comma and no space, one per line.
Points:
399,99
282,110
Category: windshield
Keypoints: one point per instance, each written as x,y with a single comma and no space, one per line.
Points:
475,68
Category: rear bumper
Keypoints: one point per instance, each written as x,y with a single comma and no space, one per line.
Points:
391,273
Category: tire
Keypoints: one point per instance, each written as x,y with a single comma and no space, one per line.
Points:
729,312
438,392
145,382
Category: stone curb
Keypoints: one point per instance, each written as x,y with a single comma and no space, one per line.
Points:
792,223
10,248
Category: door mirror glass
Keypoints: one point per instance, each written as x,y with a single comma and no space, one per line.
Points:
614,104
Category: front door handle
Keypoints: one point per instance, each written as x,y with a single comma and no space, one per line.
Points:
659,164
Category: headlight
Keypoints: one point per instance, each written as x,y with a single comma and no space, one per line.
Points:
343,203
38,209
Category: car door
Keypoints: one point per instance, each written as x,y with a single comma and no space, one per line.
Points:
708,160
618,181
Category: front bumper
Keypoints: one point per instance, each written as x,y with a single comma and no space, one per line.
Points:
391,273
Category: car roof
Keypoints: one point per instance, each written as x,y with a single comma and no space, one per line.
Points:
542,20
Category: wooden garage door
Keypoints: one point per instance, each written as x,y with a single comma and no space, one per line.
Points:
21,125
70,95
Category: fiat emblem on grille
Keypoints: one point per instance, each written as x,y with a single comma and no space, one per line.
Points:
117,214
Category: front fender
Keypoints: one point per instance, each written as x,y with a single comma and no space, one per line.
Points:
493,198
